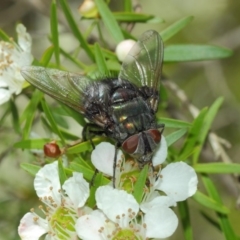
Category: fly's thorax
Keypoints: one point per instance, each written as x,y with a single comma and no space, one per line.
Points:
142,145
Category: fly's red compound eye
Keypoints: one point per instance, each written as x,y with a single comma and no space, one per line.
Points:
130,145
51,150
155,134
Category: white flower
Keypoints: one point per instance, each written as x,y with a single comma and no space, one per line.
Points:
118,218
62,208
12,58
123,48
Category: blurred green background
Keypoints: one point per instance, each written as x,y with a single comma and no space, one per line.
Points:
215,22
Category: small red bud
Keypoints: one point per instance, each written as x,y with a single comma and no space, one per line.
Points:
51,150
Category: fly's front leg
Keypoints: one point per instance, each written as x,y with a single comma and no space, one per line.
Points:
117,145
162,126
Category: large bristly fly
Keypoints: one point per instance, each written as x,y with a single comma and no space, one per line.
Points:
123,107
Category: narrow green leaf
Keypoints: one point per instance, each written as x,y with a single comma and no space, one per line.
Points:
173,137
100,60
32,143
4,36
15,117
46,57
29,111
83,146
30,168
54,31
51,120
217,168
140,184
210,203
180,53
174,123
207,124
211,220
74,27
132,17
223,218
109,20
61,172
193,135
185,219
175,28
127,5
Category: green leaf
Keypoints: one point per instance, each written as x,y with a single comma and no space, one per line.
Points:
185,219
180,53
30,168
51,120
175,28
140,184
4,36
132,17
174,123
173,137
100,60
61,172
15,116
74,27
217,168
223,218
210,203
109,20
46,57
193,135
208,120
83,146
54,31
127,5
29,111
32,143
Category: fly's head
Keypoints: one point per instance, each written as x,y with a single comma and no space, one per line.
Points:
142,146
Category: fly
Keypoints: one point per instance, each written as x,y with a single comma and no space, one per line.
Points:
123,107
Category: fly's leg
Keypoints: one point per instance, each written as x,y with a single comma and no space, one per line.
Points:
115,163
162,126
89,130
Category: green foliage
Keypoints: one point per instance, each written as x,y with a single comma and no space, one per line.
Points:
193,135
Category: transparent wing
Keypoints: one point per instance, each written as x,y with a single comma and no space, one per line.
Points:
68,88
143,64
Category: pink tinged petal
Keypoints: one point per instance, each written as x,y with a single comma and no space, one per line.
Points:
77,189
179,181
161,222
46,182
29,229
103,156
88,227
161,154
161,201
5,95
117,203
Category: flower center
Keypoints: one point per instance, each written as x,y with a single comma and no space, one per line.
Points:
126,234
62,223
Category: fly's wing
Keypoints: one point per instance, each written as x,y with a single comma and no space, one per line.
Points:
143,64
68,88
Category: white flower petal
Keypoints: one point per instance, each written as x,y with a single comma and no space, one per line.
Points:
77,189
103,156
161,222
178,180
163,201
24,39
5,95
161,152
47,184
114,202
29,229
88,226
123,48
